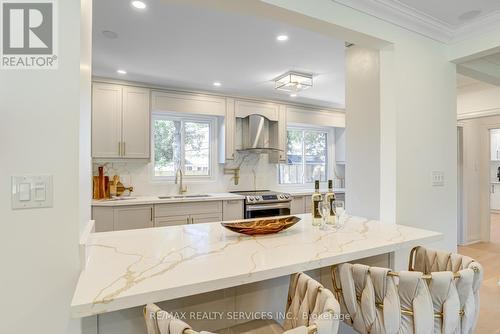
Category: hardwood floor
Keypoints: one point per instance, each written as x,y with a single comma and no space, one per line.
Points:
488,254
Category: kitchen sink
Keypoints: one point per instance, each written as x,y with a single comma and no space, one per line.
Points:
183,196
120,198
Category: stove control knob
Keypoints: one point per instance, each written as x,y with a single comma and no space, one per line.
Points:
281,196
251,198
287,196
258,198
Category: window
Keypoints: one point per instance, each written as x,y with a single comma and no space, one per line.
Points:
307,156
180,142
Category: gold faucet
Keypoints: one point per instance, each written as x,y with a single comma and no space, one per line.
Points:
235,172
178,176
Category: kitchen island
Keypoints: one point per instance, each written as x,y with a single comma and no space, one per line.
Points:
130,268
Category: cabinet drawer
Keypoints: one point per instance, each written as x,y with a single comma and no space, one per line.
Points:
206,218
171,221
175,209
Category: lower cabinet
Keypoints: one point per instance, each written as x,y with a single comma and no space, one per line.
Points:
495,197
298,205
232,210
128,217
122,217
187,213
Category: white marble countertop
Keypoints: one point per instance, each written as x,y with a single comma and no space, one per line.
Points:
137,200
135,267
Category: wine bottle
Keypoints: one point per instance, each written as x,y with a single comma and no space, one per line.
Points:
316,198
330,198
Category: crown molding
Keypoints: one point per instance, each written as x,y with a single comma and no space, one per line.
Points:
409,18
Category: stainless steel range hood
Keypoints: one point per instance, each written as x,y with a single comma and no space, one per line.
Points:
259,135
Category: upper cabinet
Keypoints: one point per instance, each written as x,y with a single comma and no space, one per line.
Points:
120,121
340,145
495,144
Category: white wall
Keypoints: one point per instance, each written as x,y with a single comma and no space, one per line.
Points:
39,133
418,110
363,132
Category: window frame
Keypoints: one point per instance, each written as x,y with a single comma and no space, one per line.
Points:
212,149
330,153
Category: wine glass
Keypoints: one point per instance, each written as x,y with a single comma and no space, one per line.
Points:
324,211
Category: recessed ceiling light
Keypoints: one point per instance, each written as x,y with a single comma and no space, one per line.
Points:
110,34
282,38
138,4
293,95
121,72
217,84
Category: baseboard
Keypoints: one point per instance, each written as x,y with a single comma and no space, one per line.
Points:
468,243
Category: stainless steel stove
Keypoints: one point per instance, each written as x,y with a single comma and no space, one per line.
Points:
265,203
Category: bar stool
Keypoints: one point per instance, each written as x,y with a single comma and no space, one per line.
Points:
310,309
438,294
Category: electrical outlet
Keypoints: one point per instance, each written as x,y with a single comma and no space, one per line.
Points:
437,178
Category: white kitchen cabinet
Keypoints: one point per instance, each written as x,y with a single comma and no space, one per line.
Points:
227,134
191,213
280,139
132,217
136,123
495,144
120,121
232,210
106,120
298,205
244,108
495,196
307,200
119,218
340,145
206,218
171,221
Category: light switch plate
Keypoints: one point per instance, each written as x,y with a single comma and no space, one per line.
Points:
437,178
31,191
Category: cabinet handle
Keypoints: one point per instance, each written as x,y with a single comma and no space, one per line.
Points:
151,213
492,188
123,148
187,220
119,148
192,220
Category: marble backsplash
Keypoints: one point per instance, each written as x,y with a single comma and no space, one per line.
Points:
255,173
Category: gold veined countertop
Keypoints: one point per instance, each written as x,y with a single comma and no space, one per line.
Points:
135,267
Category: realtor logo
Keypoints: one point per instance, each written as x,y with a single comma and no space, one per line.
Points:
28,34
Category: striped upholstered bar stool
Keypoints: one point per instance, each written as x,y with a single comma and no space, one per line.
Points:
438,294
311,309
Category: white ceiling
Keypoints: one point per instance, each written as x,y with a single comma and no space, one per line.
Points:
443,20
186,47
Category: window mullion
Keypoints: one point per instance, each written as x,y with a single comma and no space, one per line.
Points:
182,149
303,156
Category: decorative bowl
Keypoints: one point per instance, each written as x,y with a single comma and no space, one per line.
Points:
262,225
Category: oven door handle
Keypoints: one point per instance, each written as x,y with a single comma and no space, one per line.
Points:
268,206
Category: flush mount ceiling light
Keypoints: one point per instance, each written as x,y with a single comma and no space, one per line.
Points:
217,84
293,95
121,72
139,4
293,81
282,38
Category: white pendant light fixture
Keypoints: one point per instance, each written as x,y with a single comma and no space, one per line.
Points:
293,81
